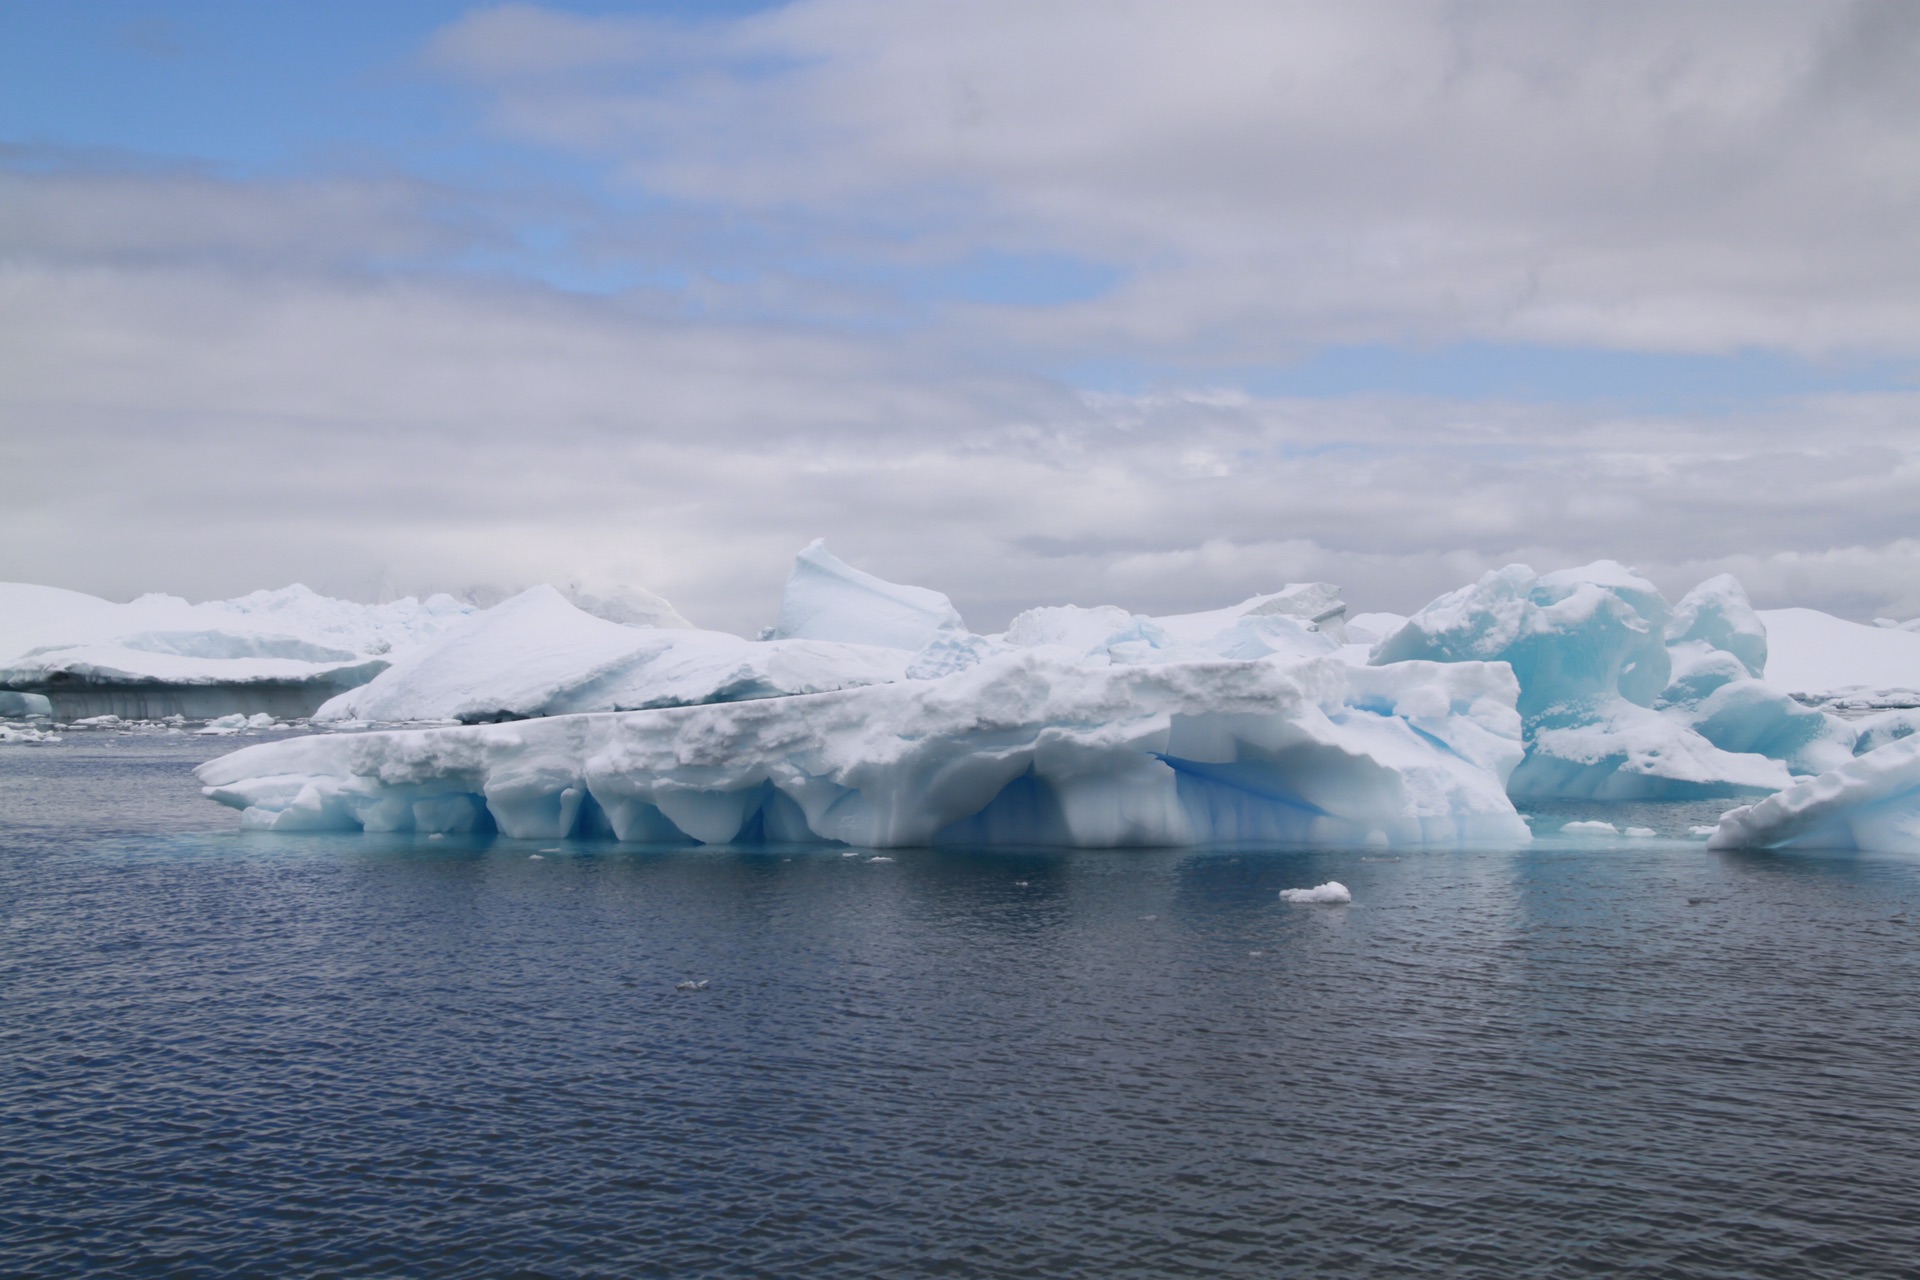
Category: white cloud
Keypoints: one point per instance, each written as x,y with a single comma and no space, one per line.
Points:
1661,177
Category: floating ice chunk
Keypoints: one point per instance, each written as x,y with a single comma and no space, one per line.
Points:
97,722
692,984
225,726
1870,803
1640,833
1591,827
880,858
828,599
1332,892
1701,831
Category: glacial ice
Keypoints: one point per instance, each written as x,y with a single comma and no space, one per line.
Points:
828,599
1847,665
1589,647
1871,803
284,650
1027,746
538,655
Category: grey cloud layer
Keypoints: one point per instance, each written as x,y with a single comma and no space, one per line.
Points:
1661,177
210,385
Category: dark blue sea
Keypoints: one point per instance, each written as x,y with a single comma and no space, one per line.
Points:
255,1055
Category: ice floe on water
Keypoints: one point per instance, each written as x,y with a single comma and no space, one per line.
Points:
1332,893
871,714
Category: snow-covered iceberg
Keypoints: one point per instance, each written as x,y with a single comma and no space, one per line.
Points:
1026,746
1828,661
1871,803
278,652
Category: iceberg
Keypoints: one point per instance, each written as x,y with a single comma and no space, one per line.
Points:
280,652
1870,804
1028,746
1331,893
1589,649
1828,661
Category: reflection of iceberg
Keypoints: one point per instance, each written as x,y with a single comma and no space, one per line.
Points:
874,717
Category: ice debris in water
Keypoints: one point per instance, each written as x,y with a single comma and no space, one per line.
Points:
1701,831
1591,827
1330,892
692,984
1640,833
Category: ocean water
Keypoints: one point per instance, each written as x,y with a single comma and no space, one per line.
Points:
253,1055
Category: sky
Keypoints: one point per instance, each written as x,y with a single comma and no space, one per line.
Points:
1149,304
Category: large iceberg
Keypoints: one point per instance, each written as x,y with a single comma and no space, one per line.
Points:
278,652
1623,697
1024,747
1870,803
873,716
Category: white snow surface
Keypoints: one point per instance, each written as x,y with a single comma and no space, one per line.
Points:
1025,746
539,655
1817,654
289,634
1871,804
1332,893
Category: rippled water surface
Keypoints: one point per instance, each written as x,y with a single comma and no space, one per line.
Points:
256,1055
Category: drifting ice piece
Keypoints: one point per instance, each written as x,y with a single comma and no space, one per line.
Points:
538,655
1871,803
1332,892
1024,748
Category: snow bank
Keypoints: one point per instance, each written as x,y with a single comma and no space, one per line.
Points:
1827,659
1871,803
1025,747
1332,892
539,655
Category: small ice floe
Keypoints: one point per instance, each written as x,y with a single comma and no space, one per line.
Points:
225,726
534,857
851,853
1150,916
881,857
1021,884
1701,831
552,850
437,835
96,722
1256,954
1330,892
692,984
1590,828
1640,833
